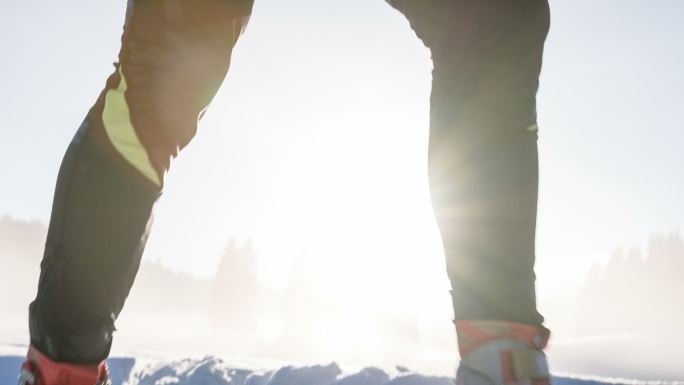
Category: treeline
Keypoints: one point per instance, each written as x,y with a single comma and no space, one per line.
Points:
21,249
303,311
234,301
637,290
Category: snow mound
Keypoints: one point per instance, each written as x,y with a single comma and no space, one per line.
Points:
213,371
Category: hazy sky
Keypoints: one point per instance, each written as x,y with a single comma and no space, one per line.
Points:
316,143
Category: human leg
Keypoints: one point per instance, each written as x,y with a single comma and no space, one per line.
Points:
483,161
174,56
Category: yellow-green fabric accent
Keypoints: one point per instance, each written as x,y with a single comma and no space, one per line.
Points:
117,123
532,127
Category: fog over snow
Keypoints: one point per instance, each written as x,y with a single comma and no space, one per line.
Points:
624,322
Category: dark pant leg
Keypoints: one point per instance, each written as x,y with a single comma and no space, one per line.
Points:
174,56
483,147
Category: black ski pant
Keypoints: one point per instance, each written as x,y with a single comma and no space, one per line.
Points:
174,55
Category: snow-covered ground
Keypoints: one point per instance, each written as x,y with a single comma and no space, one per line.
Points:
215,371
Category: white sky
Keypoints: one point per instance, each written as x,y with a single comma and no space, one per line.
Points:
317,141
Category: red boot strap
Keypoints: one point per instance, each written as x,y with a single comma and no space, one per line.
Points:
473,334
103,374
57,373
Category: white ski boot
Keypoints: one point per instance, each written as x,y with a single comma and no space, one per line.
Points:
501,353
